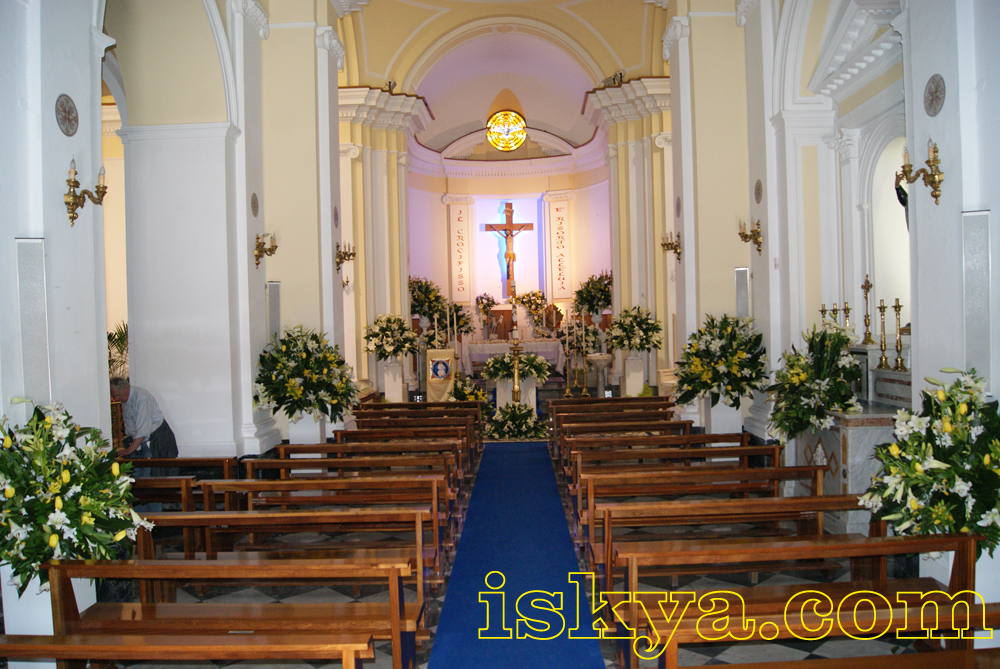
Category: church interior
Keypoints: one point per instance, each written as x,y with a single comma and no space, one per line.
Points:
270,164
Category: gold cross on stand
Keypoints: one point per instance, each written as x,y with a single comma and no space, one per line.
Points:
509,230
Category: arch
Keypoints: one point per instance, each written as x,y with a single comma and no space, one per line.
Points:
111,73
474,29
873,142
225,61
789,51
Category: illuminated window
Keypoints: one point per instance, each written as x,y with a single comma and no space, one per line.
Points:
506,130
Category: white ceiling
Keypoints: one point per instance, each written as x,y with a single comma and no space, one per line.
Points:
460,87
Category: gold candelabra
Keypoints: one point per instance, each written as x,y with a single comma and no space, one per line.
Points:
344,255
260,250
883,362
581,371
515,348
847,315
866,287
899,367
932,176
753,236
835,311
668,244
822,311
76,200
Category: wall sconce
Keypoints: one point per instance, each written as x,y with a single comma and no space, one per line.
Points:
343,256
753,236
933,177
76,200
672,245
259,250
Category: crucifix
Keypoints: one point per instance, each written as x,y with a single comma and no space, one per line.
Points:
509,230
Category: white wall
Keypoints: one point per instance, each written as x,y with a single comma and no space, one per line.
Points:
488,247
891,239
428,219
591,229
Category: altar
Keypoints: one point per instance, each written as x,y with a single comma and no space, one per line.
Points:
550,349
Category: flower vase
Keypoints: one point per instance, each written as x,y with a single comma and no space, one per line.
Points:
505,392
32,612
307,430
395,387
632,379
720,419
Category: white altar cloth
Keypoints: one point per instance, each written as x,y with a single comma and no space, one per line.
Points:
550,349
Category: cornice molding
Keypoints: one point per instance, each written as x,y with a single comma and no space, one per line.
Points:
350,151
457,199
743,8
328,40
863,68
679,28
559,195
345,7
379,109
662,4
253,11
431,163
631,101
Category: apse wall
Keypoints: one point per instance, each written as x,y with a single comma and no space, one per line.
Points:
589,237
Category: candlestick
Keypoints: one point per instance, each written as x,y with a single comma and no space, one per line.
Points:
822,311
899,366
866,288
835,311
847,315
883,362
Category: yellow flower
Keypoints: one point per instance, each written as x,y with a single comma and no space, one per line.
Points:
59,503
87,518
120,535
48,421
7,441
964,529
53,540
914,504
55,487
894,449
282,348
741,355
946,425
8,492
986,459
919,467
893,470
941,396
963,409
65,476
115,468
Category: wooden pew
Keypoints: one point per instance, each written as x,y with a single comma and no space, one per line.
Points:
393,620
467,419
211,523
622,426
986,658
379,448
468,439
868,556
227,468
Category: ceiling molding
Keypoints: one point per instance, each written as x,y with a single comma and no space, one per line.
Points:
447,198
631,101
552,145
345,7
863,68
380,109
857,27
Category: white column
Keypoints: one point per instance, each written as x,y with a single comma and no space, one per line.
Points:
611,159
402,185
348,314
668,283
559,281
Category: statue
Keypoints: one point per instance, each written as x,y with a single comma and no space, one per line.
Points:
509,230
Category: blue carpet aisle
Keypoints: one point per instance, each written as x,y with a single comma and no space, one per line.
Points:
515,525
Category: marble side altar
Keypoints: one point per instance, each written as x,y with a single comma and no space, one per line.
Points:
849,448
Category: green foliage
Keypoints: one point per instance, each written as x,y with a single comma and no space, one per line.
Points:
456,313
570,335
594,295
301,373
814,382
468,390
635,329
942,473
389,337
534,303
515,421
530,366
62,499
425,298
118,351
485,304
723,360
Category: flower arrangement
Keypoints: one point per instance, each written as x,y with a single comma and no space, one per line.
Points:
468,390
594,295
814,382
570,335
534,303
61,499
723,360
425,298
389,337
301,373
635,329
515,421
530,366
485,304
432,338
942,473
456,313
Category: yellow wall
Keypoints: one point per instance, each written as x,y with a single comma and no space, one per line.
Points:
813,258
876,85
290,198
720,158
813,43
169,61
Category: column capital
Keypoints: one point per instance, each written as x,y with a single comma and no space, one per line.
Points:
559,195
679,28
664,140
743,8
350,151
448,198
380,109
327,40
253,11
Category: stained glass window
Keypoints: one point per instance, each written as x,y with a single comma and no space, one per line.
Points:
505,130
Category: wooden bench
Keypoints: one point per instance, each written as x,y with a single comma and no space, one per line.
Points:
609,428
227,468
987,658
558,408
868,556
212,523
379,448
463,419
393,620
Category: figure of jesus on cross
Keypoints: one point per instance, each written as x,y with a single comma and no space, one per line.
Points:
509,230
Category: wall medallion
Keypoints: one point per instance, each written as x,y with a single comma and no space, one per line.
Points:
336,218
758,191
254,207
66,115
677,207
934,95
